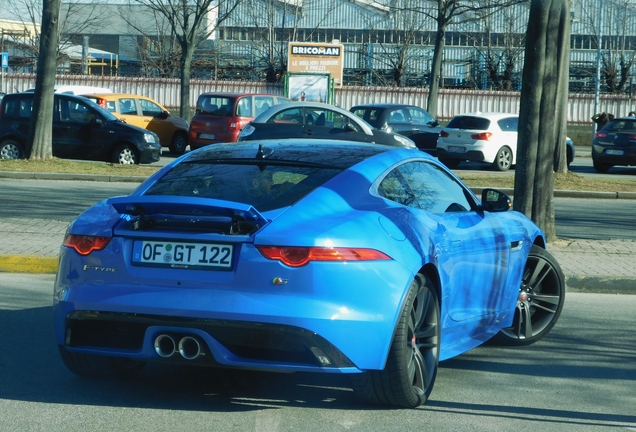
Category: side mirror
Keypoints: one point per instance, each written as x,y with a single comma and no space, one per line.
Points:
163,115
494,201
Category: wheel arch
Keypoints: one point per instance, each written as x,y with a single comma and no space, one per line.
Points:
130,144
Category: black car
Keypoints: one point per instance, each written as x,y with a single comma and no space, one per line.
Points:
81,130
319,121
407,120
615,144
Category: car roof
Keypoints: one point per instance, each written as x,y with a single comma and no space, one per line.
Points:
488,115
385,105
336,153
237,94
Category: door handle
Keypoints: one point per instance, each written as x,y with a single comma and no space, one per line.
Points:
308,132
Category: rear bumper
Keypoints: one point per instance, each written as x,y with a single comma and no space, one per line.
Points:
471,155
627,159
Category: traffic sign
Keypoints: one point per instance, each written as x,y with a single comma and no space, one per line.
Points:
5,60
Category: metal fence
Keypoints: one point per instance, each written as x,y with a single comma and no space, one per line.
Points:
450,102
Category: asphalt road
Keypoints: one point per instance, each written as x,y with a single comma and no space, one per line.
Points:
579,378
64,200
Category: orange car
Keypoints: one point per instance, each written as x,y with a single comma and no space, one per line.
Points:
148,114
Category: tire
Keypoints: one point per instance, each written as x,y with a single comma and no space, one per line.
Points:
95,366
450,163
503,160
569,156
179,143
540,300
11,149
409,375
125,155
600,167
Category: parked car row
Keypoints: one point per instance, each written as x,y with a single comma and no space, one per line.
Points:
229,117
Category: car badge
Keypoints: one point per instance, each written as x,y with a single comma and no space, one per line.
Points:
459,135
207,124
279,281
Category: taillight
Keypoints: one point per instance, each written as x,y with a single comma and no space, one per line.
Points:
443,133
600,135
484,136
84,245
299,256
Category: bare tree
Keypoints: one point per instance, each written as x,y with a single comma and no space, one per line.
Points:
542,115
447,11
192,22
39,140
499,44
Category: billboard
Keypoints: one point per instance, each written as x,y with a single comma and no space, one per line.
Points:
318,58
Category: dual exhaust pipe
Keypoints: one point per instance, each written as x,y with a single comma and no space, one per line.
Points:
189,347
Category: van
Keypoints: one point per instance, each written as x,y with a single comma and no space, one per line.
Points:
219,117
81,130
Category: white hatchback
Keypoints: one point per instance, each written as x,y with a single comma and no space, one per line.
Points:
479,137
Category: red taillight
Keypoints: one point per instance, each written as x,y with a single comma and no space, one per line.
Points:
84,245
443,133
484,136
600,135
299,256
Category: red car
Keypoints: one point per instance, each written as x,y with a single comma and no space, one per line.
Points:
219,117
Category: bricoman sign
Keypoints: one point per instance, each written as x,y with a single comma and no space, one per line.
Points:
316,58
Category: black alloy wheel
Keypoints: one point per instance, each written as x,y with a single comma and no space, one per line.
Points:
540,300
411,368
179,143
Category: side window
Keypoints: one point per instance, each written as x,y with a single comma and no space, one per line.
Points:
293,115
434,189
149,108
341,121
26,105
395,188
509,124
110,106
75,112
421,117
263,103
397,116
127,106
244,107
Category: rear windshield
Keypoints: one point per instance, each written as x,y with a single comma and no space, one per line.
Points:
267,187
215,105
468,122
621,125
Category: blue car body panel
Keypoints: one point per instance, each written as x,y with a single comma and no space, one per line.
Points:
476,257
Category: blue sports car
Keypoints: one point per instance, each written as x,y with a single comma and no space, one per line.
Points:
302,255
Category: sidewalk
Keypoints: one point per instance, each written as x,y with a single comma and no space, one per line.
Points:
607,266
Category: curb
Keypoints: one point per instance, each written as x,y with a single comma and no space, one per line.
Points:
70,176
28,264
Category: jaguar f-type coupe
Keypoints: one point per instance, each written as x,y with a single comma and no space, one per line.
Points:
302,255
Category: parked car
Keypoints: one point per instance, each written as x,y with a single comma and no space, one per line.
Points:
81,130
615,144
483,137
407,120
219,117
302,255
317,120
147,113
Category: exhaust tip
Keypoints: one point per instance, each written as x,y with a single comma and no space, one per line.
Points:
190,348
165,346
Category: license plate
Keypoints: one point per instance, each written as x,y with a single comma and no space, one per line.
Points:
454,149
614,152
207,136
182,255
